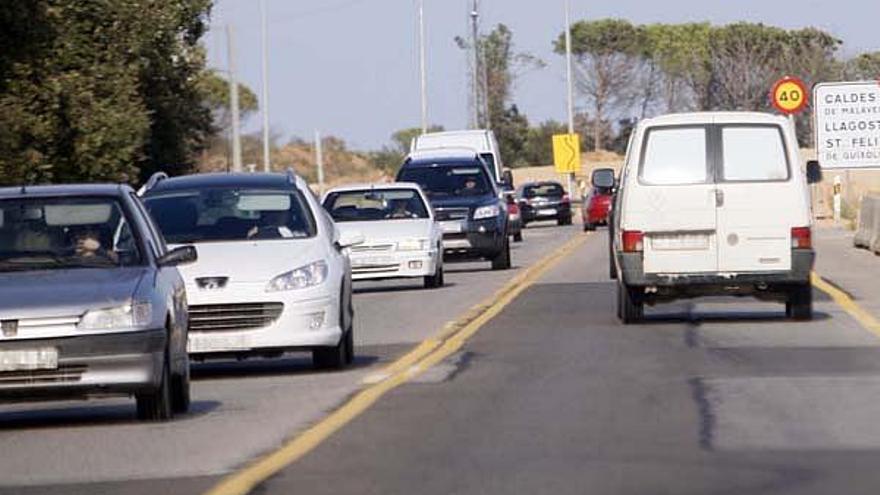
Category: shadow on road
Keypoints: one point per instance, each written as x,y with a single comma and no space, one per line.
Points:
88,414
727,317
375,289
257,367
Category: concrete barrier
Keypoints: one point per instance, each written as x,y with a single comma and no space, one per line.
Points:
868,234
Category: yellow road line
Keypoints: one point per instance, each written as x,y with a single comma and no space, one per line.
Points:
418,360
844,301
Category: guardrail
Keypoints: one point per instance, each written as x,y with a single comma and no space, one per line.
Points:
868,234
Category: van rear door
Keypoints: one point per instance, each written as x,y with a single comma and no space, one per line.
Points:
675,201
759,200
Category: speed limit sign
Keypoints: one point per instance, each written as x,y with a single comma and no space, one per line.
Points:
789,95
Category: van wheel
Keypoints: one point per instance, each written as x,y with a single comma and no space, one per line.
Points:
564,221
630,307
800,303
517,237
589,227
156,404
502,260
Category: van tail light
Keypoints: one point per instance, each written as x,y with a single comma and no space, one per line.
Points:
801,238
633,241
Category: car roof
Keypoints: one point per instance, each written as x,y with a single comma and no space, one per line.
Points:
378,186
196,181
445,154
65,190
697,118
461,132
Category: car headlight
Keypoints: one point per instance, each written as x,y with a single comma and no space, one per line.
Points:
413,245
127,316
303,277
490,211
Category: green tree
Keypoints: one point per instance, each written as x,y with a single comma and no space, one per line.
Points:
390,157
100,89
866,66
607,54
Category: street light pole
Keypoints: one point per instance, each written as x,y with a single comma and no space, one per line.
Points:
475,77
568,69
569,82
265,55
233,103
423,74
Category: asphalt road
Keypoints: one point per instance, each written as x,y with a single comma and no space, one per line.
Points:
551,396
240,410
555,396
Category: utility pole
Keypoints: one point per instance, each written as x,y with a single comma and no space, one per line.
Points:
233,103
319,160
265,42
568,69
569,82
423,72
475,76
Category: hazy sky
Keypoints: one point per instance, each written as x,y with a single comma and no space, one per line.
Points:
350,67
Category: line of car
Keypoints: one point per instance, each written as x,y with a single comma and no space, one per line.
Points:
108,291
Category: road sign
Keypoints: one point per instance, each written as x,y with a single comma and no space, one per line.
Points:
790,95
847,118
567,153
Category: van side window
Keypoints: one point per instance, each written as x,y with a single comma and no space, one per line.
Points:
754,154
674,156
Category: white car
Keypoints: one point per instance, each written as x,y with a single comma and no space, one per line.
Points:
273,274
401,237
713,204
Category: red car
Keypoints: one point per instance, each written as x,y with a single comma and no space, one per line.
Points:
595,208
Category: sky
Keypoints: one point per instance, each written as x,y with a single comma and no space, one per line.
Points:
349,68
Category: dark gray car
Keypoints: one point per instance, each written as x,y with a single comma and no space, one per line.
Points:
90,300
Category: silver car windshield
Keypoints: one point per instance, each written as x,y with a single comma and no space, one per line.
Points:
223,214
67,232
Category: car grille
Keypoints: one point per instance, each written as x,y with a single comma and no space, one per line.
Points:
444,214
217,317
389,268
374,248
64,374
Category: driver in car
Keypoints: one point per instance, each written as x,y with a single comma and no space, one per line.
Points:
88,245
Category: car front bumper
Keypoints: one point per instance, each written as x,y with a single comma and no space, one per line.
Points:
475,239
308,318
400,264
117,363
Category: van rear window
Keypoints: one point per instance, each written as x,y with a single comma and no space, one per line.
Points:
754,153
675,155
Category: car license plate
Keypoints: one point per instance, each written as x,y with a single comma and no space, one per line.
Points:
547,211
215,343
29,359
451,227
680,242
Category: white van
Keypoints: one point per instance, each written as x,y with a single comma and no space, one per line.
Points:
713,204
480,140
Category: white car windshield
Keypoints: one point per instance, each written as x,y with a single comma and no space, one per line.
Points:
371,205
230,214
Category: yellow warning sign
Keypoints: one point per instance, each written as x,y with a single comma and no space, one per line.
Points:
567,153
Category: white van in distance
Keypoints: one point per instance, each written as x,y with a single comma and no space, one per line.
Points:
480,140
713,204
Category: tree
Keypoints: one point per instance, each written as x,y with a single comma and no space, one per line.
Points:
389,158
538,149
215,93
681,51
606,54
100,89
866,66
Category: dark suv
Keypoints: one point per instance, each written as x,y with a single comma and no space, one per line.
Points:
466,202
544,201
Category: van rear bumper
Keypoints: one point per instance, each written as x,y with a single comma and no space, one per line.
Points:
632,270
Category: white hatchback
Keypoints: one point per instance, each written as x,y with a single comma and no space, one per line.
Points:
273,273
401,237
